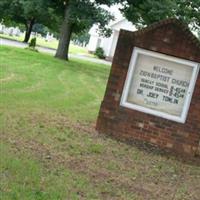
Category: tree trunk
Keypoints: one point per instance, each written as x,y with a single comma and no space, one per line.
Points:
65,36
29,27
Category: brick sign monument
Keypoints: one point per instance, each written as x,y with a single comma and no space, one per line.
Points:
153,92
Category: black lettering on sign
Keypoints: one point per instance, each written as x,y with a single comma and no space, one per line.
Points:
161,90
170,100
159,77
143,80
163,85
163,70
177,92
153,95
143,85
180,83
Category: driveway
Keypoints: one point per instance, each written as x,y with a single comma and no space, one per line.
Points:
18,44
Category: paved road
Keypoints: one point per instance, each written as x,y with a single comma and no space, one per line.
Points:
13,43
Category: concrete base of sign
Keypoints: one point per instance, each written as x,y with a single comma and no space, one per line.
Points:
171,38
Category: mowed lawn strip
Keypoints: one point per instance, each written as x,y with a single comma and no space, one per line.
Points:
50,149
34,81
53,44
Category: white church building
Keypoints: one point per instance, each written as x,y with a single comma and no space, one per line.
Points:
108,44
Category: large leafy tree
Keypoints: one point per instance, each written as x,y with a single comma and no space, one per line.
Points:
27,12
79,15
189,11
145,12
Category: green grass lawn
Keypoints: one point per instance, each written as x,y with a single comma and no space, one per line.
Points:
74,49
49,147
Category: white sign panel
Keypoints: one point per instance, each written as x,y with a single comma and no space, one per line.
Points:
159,84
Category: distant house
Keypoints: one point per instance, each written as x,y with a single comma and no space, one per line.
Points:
108,44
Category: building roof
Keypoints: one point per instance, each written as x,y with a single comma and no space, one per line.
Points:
123,24
117,25
117,22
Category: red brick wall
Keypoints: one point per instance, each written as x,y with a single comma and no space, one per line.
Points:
121,122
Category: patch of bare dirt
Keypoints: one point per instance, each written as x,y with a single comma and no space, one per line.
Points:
61,122
144,187
51,159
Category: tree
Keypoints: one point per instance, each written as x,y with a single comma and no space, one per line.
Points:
189,12
40,28
145,12
81,38
79,15
27,12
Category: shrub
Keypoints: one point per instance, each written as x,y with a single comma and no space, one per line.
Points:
32,43
99,53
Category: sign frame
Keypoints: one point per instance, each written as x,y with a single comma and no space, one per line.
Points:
195,70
